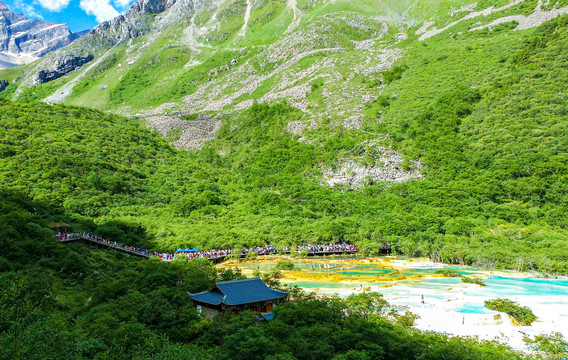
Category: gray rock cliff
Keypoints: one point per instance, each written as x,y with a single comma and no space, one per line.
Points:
3,85
63,66
131,25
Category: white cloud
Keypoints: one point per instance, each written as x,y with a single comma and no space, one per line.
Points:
122,3
28,10
102,9
54,5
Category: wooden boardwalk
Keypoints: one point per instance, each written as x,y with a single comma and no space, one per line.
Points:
99,242
217,259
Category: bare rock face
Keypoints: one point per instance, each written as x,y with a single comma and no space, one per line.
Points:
3,85
129,25
387,166
29,38
192,134
149,6
62,67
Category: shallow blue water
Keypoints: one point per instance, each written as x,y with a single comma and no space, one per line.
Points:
532,286
473,309
467,299
497,286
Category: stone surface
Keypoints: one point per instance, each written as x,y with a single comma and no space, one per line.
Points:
387,166
192,134
3,84
131,25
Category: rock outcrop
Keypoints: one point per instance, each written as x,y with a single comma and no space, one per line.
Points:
131,25
387,166
3,85
62,67
23,40
192,134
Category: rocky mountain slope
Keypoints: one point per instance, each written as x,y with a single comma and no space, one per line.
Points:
220,56
24,40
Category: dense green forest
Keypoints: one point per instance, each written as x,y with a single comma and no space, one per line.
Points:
110,175
75,302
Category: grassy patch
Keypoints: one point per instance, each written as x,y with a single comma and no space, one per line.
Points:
173,135
522,316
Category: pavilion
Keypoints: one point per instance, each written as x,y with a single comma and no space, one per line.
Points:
238,295
60,226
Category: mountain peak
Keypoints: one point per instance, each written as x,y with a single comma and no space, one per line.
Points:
24,40
8,16
152,6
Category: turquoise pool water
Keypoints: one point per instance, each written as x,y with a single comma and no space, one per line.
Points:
446,304
473,309
414,283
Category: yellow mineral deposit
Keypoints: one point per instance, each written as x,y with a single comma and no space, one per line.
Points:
337,269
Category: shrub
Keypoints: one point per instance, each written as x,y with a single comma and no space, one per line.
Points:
284,265
473,280
448,273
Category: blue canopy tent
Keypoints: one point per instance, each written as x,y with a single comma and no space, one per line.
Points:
187,250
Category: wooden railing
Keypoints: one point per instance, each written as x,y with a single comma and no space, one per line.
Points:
107,243
220,258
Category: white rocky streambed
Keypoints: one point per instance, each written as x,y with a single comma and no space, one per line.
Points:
444,305
536,18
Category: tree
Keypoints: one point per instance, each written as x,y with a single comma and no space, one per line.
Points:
365,304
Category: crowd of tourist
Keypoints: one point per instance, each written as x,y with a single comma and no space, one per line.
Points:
215,254
325,248
262,250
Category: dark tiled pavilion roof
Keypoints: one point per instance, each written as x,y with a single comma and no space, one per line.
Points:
238,292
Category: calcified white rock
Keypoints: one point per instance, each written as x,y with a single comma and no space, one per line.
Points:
424,27
486,12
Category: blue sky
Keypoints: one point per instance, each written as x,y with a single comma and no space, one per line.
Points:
78,14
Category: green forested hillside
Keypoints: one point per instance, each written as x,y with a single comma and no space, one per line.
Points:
74,302
493,192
